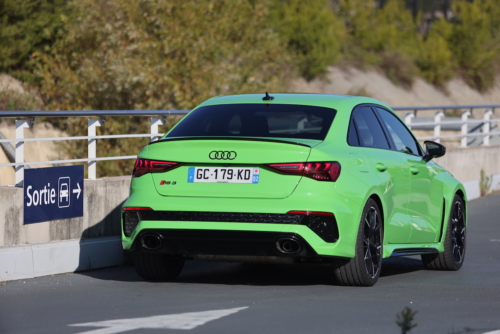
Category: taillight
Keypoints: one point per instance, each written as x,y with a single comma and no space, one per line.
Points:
321,171
137,208
144,166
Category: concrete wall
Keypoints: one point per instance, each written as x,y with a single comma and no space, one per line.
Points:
61,246
102,203
466,163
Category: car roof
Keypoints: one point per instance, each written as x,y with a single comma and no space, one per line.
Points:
338,102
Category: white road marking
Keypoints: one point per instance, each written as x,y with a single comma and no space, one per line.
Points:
495,240
494,332
170,321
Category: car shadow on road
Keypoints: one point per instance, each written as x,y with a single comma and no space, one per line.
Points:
100,243
401,265
198,272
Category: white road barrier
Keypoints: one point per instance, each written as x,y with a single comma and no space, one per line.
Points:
30,261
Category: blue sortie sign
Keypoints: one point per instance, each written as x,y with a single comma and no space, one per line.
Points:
53,193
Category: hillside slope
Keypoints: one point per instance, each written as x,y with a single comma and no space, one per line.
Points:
352,81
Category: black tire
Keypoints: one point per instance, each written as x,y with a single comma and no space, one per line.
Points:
364,269
454,243
157,267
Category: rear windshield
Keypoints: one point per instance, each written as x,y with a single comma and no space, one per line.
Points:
256,120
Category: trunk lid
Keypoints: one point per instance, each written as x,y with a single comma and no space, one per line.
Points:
246,153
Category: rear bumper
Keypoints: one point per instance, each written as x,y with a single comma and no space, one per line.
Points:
190,243
216,234
251,215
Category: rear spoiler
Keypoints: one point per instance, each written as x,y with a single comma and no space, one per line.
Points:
231,138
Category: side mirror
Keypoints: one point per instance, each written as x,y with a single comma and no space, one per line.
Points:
433,150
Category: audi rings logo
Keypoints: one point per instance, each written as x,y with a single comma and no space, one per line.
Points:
222,155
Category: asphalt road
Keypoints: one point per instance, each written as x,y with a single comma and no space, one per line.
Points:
278,299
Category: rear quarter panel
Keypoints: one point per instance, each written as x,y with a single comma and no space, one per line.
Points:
451,186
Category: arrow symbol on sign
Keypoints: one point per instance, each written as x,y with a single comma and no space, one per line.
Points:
77,191
170,321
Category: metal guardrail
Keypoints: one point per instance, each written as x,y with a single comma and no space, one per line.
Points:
470,107
19,164
482,127
159,117
93,113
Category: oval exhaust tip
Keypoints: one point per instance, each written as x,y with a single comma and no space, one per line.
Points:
151,242
288,246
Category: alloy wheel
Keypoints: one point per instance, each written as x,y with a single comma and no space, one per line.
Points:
372,245
458,232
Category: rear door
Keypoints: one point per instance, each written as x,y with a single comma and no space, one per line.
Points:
426,193
392,173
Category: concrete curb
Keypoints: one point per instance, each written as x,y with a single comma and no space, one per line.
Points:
472,187
30,261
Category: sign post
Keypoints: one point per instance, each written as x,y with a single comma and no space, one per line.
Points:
53,193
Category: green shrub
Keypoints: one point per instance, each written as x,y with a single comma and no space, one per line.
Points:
360,42
473,40
404,320
434,59
26,28
312,33
384,37
156,54
484,183
378,29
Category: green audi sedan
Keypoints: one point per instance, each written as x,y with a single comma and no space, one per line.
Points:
293,178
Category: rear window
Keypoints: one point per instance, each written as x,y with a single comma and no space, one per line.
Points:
256,120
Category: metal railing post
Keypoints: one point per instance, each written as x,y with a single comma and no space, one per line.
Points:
408,118
465,127
92,124
486,127
155,122
437,125
20,126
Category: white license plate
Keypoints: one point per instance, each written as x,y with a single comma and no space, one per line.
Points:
223,174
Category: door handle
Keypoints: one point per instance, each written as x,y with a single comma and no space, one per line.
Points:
414,170
380,167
